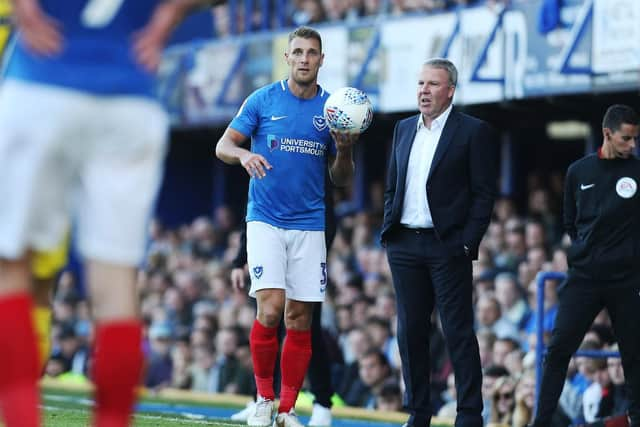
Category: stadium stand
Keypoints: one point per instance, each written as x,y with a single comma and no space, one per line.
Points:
524,66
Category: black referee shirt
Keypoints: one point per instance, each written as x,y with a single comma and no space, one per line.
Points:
602,217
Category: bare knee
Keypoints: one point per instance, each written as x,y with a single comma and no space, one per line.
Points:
270,306
269,316
113,291
298,315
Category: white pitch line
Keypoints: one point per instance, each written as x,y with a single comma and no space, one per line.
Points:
193,418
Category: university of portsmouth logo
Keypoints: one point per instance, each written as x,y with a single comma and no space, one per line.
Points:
257,271
626,187
272,142
320,123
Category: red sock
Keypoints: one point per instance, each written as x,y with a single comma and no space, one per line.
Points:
117,371
264,351
296,353
19,394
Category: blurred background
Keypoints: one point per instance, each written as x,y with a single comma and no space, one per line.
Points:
542,72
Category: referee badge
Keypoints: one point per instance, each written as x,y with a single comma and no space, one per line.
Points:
626,187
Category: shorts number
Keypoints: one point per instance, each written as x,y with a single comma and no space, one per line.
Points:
99,13
323,267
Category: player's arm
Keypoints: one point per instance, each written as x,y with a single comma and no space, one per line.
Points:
229,149
240,262
38,31
341,168
149,42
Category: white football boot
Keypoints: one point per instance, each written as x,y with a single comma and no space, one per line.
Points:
287,419
262,415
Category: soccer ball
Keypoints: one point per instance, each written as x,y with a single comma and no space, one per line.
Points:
348,110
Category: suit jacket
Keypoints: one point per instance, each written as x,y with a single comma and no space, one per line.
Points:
461,185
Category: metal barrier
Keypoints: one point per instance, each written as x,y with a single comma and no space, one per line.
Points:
540,348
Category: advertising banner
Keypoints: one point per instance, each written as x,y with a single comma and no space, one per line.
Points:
405,44
616,35
557,59
477,51
213,84
529,49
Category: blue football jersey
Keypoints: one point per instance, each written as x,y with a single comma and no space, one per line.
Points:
97,54
292,134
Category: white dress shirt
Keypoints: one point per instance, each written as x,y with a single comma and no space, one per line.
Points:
415,208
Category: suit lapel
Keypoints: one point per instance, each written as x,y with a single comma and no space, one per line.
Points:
445,139
404,149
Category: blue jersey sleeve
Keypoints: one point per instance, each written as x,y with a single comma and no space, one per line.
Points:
248,117
97,54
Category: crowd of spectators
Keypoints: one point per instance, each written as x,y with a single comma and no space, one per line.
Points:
197,326
312,12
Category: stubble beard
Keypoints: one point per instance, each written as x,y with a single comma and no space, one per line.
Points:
305,82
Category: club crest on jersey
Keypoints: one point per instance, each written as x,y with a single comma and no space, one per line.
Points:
626,187
257,271
320,123
272,142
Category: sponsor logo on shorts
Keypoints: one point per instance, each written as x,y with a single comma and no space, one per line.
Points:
257,271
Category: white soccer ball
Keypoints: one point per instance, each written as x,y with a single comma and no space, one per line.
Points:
348,110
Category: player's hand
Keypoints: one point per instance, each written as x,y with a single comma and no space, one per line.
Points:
237,278
149,42
40,32
255,165
344,140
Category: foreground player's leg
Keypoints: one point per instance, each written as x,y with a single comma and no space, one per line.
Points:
118,362
41,315
44,267
19,395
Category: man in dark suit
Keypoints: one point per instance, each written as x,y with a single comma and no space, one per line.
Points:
438,201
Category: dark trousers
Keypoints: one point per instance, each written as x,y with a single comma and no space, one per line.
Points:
319,371
578,306
425,277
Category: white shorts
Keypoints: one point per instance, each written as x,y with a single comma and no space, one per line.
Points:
63,154
293,260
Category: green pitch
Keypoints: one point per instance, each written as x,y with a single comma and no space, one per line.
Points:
80,418
68,405
65,409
